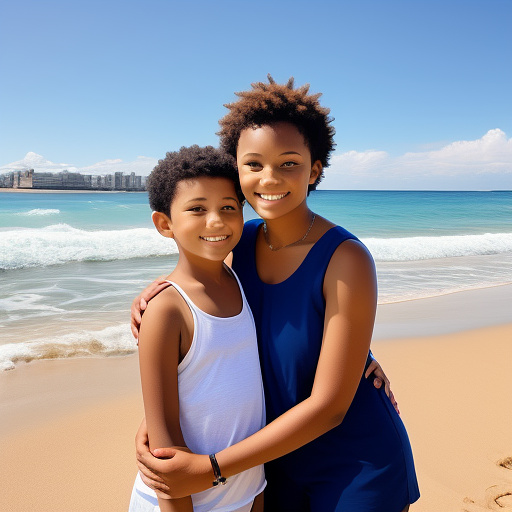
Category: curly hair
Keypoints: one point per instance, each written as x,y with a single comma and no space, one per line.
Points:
271,103
185,164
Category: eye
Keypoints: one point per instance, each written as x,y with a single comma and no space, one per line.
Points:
253,165
289,164
196,209
230,207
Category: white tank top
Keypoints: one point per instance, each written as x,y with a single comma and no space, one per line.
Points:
221,399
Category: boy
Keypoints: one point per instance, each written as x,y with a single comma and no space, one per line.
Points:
199,366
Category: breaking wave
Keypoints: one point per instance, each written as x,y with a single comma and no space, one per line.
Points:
61,243
41,211
111,341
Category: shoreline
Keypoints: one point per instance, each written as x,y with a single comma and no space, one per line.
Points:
443,314
430,316
62,191
443,294
68,425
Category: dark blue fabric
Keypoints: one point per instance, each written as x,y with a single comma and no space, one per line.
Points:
363,465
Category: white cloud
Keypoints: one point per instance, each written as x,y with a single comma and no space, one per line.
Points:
485,163
360,162
491,153
37,162
142,165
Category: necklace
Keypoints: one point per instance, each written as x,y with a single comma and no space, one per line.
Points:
272,248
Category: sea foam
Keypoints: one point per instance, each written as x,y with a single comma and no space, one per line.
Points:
61,243
111,341
41,211
433,247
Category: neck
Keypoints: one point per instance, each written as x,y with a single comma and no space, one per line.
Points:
289,228
202,271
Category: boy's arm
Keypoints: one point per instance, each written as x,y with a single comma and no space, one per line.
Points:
159,355
140,303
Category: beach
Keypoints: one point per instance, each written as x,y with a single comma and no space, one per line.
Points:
70,402
67,429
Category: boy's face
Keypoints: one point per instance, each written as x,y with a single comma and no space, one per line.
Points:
275,168
206,218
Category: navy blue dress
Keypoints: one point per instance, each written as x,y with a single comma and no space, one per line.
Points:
363,465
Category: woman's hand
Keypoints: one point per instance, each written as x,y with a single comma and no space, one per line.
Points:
172,472
140,303
379,377
142,453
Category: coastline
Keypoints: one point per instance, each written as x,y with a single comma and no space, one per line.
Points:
443,314
61,191
68,425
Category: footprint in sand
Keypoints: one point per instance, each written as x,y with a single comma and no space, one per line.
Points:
497,497
505,463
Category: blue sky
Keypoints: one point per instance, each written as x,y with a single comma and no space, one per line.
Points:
420,90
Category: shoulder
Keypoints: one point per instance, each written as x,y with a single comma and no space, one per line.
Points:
351,262
166,309
350,250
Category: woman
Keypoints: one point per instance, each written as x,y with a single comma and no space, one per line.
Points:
335,442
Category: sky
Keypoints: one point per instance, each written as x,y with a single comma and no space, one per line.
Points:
420,90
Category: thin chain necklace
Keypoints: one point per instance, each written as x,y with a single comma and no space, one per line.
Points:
272,248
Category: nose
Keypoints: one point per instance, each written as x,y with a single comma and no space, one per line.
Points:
269,177
214,219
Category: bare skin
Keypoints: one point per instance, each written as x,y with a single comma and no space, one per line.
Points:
206,224
275,170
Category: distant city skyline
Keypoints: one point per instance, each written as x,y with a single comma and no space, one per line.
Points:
65,180
419,90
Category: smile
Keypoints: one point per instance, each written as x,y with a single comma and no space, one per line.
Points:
272,197
214,238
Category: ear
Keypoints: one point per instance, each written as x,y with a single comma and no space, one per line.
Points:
316,171
163,224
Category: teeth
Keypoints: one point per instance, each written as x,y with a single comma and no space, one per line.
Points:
272,197
214,238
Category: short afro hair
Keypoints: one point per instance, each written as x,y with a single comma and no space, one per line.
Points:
269,103
185,164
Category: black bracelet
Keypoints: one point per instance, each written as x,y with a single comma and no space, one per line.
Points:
219,479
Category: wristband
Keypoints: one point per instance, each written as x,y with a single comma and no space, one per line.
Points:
219,479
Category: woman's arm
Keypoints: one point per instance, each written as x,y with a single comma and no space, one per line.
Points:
351,295
140,303
159,356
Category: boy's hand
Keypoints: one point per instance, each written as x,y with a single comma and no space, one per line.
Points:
140,303
375,370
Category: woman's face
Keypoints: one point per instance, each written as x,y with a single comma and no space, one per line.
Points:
275,168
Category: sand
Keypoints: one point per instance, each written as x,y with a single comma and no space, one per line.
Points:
67,427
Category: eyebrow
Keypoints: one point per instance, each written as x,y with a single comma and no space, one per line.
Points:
206,199
282,154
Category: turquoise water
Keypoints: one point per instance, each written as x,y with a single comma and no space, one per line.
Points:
70,263
367,213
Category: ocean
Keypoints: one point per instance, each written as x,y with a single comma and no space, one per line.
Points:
71,263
